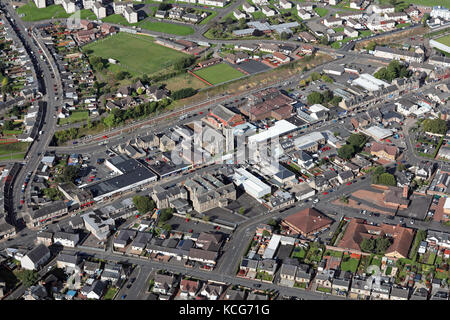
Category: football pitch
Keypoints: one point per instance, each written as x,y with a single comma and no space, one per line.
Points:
219,73
135,53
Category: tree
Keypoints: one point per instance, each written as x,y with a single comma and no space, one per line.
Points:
8,125
387,179
139,91
70,173
335,101
28,277
326,78
324,41
272,222
425,18
315,97
401,167
165,214
183,63
382,244
205,218
367,245
357,140
346,151
315,76
344,199
143,204
379,170
53,194
241,210
167,227
164,6
302,83
242,23
121,75
109,120
284,36
437,126
183,93
371,45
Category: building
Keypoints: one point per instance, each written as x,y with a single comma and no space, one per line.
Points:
46,214
35,258
357,230
384,151
40,3
238,14
221,116
307,222
250,183
132,175
395,54
66,239
99,225
99,10
131,15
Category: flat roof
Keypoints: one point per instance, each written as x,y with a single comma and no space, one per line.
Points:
279,128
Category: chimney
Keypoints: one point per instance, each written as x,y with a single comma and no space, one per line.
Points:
405,192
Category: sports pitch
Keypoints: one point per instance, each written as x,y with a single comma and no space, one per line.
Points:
219,73
135,53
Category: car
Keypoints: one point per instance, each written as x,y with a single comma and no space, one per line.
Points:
348,183
257,285
316,200
123,297
133,280
325,193
129,286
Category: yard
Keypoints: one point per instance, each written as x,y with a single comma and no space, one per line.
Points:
109,295
33,13
75,116
219,73
299,253
321,11
349,265
135,53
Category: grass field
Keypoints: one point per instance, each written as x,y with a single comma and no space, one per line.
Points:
166,28
444,40
16,156
427,3
219,73
183,81
170,28
75,117
350,265
135,53
33,13
6,149
321,11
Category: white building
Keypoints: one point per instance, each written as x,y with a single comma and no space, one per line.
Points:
268,11
119,7
247,7
285,4
369,82
40,3
238,15
99,225
332,22
35,258
69,6
251,184
131,15
99,10
66,239
440,12
383,9
88,4
272,246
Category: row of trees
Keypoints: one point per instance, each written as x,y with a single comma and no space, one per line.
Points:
323,97
437,126
380,176
143,204
355,143
377,246
394,70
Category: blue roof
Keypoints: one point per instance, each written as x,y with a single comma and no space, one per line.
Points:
71,293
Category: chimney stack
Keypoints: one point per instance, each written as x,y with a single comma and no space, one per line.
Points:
405,192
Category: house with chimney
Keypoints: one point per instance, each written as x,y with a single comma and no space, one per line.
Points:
307,222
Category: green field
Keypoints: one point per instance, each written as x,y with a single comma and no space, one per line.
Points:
444,40
135,53
219,73
321,11
75,116
401,25
32,13
17,156
6,149
350,265
427,3
166,28
152,26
